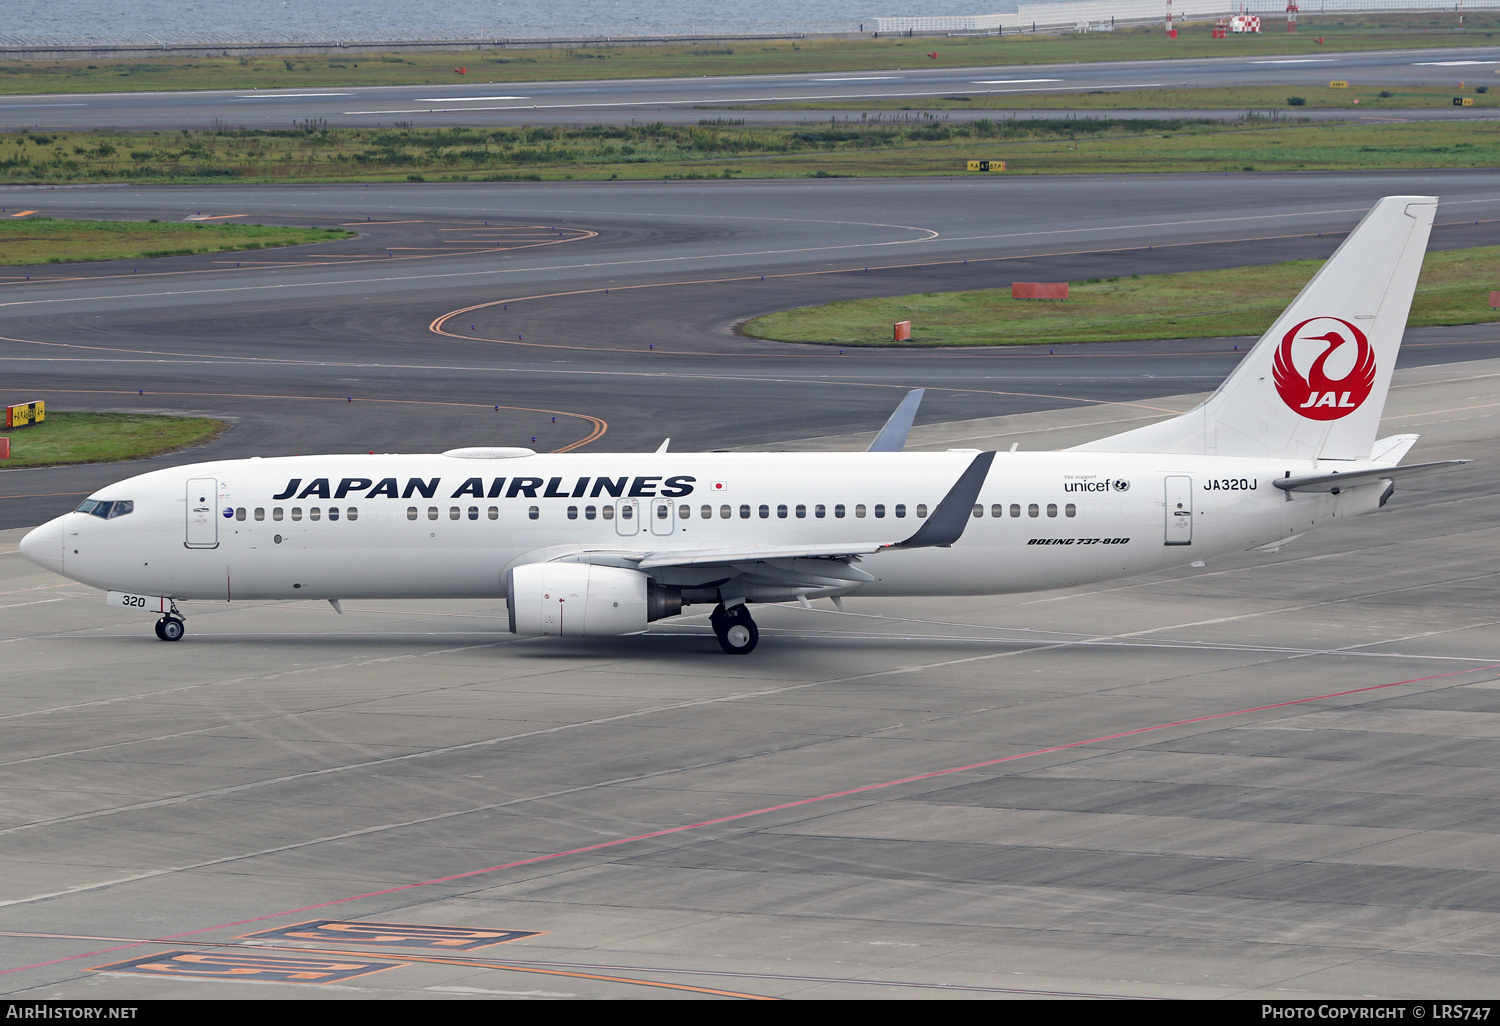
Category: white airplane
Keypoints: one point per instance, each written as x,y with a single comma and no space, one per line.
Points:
594,544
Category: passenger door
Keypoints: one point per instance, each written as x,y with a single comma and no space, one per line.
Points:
202,521
1179,526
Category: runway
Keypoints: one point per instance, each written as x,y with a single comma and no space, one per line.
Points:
475,102
1268,777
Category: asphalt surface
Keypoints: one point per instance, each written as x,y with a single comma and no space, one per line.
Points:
473,102
1166,786
1272,777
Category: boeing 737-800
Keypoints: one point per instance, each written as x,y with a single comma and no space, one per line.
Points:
605,543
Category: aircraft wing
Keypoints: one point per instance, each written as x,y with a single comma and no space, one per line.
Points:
1348,479
826,560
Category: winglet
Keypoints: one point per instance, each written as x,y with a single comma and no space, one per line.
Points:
947,523
892,437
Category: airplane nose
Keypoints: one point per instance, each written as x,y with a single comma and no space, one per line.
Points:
44,546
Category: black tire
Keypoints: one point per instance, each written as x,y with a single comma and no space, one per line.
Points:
160,636
170,629
737,632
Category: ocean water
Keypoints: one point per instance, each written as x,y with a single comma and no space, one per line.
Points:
222,20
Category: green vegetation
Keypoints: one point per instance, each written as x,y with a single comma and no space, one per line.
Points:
1264,99
105,438
874,145
541,64
1453,289
46,240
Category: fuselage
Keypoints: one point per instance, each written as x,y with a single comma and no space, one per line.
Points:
439,526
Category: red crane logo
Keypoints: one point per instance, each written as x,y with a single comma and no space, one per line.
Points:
1318,395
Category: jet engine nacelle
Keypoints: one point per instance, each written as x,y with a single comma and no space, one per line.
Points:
579,600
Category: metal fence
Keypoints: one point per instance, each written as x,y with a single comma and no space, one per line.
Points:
1051,17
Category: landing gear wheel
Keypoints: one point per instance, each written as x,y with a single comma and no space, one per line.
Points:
735,630
170,628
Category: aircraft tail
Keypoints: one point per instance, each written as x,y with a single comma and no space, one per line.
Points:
1314,386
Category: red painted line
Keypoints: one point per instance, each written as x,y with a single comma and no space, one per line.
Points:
667,832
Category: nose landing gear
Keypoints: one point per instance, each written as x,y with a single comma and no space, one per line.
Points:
734,628
171,627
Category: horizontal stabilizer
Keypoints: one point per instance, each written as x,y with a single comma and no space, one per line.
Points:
1393,449
1349,479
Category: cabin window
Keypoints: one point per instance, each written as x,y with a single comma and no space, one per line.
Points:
572,512
880,509
454,513
765,512
1033,510
315,513
978,509
859,510
494,512
997,510
474,512
801,512
838,510
533,512
352,513
411,513
239,514
781,512
820,511
744,512
333,513
684,512
900,510
723,512
921,510
590,512
707,512
432,512
276,513
607,512
663,510
296,512
260,513
1052,509
1070,510
627,511
1015,509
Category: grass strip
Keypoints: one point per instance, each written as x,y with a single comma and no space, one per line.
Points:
520,63
723,147
1453,289
65,438
45,240
1263,100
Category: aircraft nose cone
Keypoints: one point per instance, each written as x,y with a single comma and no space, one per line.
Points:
44,546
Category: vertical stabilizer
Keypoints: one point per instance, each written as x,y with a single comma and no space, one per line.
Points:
1314,386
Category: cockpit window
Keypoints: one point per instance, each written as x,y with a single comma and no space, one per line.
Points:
106,509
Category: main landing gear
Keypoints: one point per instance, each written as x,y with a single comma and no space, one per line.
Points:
170,627
735,630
